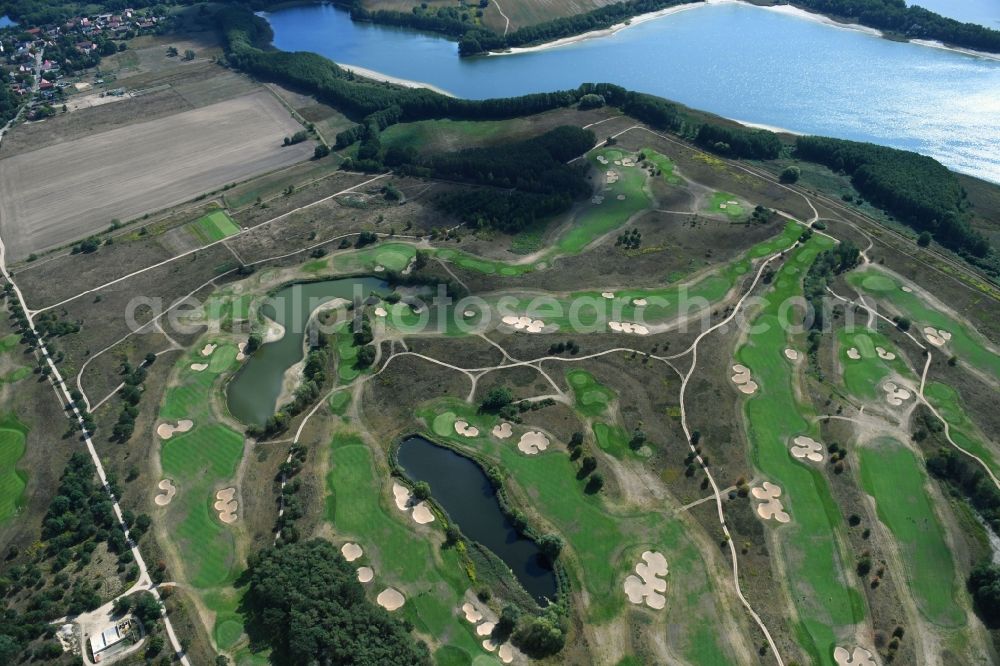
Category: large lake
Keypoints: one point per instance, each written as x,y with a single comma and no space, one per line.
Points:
743,62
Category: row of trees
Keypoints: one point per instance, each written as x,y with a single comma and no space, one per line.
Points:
916,189
913,22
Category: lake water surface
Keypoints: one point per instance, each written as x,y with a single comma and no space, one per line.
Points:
460,486
736,60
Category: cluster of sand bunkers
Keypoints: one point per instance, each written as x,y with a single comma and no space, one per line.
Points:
936,336
807,448
791,354
502,430
465,430
169,490
484,628
770,507
226,504
726,204
859,657
390,598
649,582
420,512
168,430
743,380
526,324
882,352
895,394
626,327
530,443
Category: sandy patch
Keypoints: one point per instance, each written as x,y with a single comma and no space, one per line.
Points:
465,430
422,514
884,354
602,159
225,504
526,324
351,551
936,336
770,507
791,355
639,302
485,629
208,349
167,430
532,442
241,351
468,313
741,377
169,490
853,354
199,367
895,394
402,496
365,574
502,431
807,448
471,614
650,583
860,657
597,199
380,312
626,327
506,653
608,294
620,197
489,645
611,177
733,202
906,289
390,599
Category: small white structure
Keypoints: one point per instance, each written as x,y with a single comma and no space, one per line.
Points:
109,637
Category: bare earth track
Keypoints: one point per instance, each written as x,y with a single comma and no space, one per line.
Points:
77,188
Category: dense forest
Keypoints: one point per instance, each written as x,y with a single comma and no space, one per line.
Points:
912,22
8,104
305,603
40,12
918,190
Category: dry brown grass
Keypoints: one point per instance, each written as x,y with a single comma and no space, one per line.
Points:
57,194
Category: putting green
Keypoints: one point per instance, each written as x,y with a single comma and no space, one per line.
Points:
863,377
664,164
592,397
12,481
721,202
394,256
339,402
891,474
612,439
214,227
814,567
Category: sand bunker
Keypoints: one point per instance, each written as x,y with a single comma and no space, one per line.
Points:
626,327
884,354
532,442
502,431
650,583
853,354
741,377
620,197
611,177
199,367
351,551
208,349
526,324
860,657
390,598
365,574
402,495
807,448
489,645
936,336
380,312
471,614
167,430
733,202
485,629
468,313
608,294
422,514
895,394
639,302
770,507
169,490
791,355
597,199
602,159
506,653
906,289
225,504
465,430
240,351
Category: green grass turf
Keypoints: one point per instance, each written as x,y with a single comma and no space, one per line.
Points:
214,227
947,402
719,199
599,219
814,568
339,402
592,397
12,481
967,345
480,265
15,375
393,256
433,580
9,342
891,474
664,164
863,377
612,439
458,133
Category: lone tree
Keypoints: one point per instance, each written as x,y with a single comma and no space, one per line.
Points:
791,174
550,545
924,239
496,399
422,490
